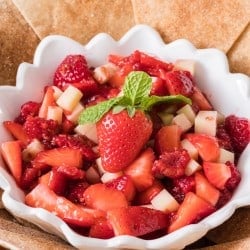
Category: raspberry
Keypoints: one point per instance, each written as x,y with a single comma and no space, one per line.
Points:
76,190
171,164
76,141
224,139
181,186
41,129
235,178
239,130
27,109
74,70
225,196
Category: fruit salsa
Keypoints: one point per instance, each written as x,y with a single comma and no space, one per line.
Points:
131,147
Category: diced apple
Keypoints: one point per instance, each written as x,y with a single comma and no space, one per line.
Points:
106,177
57,92
92,175
185,64
55,113
188,111
192,167
103,73
183,122
148,206
206,122
165,202
74,115
69,98
226,155
32,149
166,117
89,130
191,149
98,162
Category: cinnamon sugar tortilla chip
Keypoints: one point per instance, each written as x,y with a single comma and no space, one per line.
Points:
17,41
239,54
205,23
80,20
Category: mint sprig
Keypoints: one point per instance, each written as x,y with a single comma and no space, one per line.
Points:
136,92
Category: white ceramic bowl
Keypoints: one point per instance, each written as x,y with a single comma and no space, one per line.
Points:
229,93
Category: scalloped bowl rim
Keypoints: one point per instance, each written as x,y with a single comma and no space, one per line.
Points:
146,39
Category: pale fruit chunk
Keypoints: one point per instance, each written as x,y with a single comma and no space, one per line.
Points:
92,175
55,113
103,73
69,98
191,149
166,118
106,177
225,156
74,115
206,122
185,64
32,149
220,118
148,206
165,202
87,129
57,92
192,167
188,111
98,162
183,122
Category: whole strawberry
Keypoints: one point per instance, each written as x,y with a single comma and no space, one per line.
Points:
123,127
74,71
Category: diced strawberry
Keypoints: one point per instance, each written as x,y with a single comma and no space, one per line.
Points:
11,153
101,197
101,229
171,164
55,180
239,130
76,142
181,186
71,172
200,100
179,82
191,210
60,206
121,133
158,87
58,157
168,138
27,109
217,173
124,184
140,170
205,190
16,129
235,178
74,71
75,191
41,129
145,197
136,220
29,177
225,196
48,100
208,146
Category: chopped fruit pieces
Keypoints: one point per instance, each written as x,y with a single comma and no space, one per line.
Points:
136,220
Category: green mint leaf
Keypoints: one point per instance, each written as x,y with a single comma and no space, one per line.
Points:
117,109
148,102
137,86
94,113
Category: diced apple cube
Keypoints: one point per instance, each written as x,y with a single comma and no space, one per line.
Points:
57,92
103,73
225,156
188,111
206,122
166,118
32,149
106,177
185,64
89,130
92,175
165,202
191,149
69,98
55,113
183,122
148,206
192,167
98,162
74,115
